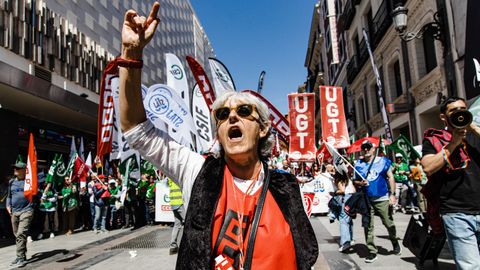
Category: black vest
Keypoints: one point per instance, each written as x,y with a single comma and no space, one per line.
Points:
196,246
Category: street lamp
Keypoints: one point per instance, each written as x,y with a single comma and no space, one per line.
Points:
435,29
400,16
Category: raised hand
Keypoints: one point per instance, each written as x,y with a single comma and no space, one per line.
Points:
137,31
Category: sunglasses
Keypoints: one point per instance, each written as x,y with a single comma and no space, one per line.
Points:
244,110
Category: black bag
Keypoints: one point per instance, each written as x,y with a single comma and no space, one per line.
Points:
334,205
422,243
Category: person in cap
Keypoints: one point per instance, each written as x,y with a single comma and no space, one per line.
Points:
400,172
220,191
374,175
69,198
21,211
114,197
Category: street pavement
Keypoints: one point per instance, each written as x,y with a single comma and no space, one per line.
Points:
147,248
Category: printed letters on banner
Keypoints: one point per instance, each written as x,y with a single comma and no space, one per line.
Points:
201,118
120,147
176,77
221,77
334,125
105,110
302,128
30,187
202,81
279,122
163,105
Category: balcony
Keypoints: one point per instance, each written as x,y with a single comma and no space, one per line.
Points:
381,23
347,15
352,69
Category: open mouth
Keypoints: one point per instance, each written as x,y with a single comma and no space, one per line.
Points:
235,134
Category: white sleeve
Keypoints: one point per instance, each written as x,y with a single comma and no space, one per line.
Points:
176,161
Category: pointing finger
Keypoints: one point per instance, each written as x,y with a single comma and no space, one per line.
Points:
153,13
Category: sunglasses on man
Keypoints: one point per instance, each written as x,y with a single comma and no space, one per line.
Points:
243,110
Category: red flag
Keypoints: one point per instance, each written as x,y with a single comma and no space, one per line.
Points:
279,122
105,110
302,127
202,81
80,170
323,154
334,125
30,188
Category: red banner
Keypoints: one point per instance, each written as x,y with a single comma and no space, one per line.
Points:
80,171
279,122
31,181
334,125
105,110
202,81
302,127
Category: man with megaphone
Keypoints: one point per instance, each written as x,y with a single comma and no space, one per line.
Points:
451,160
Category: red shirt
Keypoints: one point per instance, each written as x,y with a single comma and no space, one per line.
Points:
274,248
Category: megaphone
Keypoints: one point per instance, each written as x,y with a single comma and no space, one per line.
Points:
460,119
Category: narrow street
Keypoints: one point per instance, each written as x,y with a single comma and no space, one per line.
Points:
147,248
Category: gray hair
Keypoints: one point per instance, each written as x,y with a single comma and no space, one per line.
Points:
265,144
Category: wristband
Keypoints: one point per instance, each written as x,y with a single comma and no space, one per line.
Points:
129,63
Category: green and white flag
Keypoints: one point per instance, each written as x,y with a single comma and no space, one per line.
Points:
403,146
70,165
130,171
52,171
147,168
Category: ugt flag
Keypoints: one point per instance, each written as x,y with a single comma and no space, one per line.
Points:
30,188
403,146
334,125
302,126
80,170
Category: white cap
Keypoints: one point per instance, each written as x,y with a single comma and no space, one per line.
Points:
398,155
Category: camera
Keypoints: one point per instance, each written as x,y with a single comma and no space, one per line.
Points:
460,119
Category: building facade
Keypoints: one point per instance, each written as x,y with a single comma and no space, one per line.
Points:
412,73
52,55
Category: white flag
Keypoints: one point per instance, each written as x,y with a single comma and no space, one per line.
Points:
176,77
201,118
164,106
120,148
222,80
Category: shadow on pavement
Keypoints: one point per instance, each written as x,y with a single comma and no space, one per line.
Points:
43,255
430,265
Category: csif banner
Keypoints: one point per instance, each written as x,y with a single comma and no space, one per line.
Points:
105,110
334,124
176,77
279,122
202,81
221,77
302,127
201,118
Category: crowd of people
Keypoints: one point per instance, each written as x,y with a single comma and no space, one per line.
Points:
63,208
243,208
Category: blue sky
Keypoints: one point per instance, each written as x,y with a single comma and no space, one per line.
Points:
249,36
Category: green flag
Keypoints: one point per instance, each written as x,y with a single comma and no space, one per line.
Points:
70,165
403,146
130,171
60,171
52,171
147,168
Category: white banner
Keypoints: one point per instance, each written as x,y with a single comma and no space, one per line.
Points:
164,106
163,210
201,118
176,77
333,31
321,186
222,80
120,148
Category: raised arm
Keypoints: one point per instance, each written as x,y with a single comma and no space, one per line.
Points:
137,32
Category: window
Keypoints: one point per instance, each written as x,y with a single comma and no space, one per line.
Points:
360,112
374,99
429,49
398,89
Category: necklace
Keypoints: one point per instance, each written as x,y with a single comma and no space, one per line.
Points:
240,214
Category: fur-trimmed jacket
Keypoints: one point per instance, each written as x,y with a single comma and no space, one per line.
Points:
196,246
